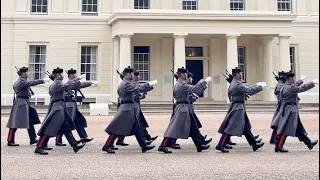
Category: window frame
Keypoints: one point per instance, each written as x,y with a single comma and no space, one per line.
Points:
197,7
237,2
143,2
96,63
143,63
87,5
279,8
42,75
36,5
195,49
244,70
292,58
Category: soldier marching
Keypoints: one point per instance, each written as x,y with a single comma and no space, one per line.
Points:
63,115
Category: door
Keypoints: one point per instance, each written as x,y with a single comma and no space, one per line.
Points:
196,68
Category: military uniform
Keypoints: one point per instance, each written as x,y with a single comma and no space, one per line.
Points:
290,123
276,116
126,121
182,124
58,121
143,122
192,98
236,122
22,115
72,109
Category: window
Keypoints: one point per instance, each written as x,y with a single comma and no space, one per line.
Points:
189,4
193,51
237,5
284,5
141,61
292,58
242,61
39,7
141,4
90,7
89,57
37,61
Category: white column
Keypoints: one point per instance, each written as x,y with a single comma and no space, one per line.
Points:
179,50
125,50
267,67
232,53
284,52
115,63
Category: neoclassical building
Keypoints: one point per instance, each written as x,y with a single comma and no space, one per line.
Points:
208,37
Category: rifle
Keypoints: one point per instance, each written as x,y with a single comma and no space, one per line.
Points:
229,79
174,74
52,79
121,75
275,76
19,74
83,97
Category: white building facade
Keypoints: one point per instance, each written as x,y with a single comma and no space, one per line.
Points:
98,37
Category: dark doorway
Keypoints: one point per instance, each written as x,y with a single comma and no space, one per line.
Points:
196,68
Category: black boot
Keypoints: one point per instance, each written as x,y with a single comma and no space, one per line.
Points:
257,146
77,148
272,141
87,139
40,151
207,141
164,149
175,146
228,146
12,144
108,150
222,149
202,147
153,138
149,142
312,143
256,136
205,137
47,148
258,140
232,143
121,143
33,141
60,144
113,148
147,148
282,150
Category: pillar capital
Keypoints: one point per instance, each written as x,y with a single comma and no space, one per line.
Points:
123,35
266,39
232,35
115,38
284,36
180,35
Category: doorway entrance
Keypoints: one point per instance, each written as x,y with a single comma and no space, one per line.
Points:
196,68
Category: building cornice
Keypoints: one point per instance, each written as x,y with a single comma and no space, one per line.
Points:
201,15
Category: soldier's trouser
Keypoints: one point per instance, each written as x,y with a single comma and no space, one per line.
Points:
43,141
273,135
112,137
249,136
138,132
281,139
225,138
120,138
195,134
12,131
81,131
59,138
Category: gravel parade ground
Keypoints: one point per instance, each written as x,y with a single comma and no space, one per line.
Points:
91,163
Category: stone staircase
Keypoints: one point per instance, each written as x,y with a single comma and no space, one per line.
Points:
199,106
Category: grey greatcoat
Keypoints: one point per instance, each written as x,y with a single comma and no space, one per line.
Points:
276,116
290,121
72,107
180,123
236,119
22,113
57,113
137,97
128,111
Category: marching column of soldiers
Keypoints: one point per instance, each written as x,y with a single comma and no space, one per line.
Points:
63,115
